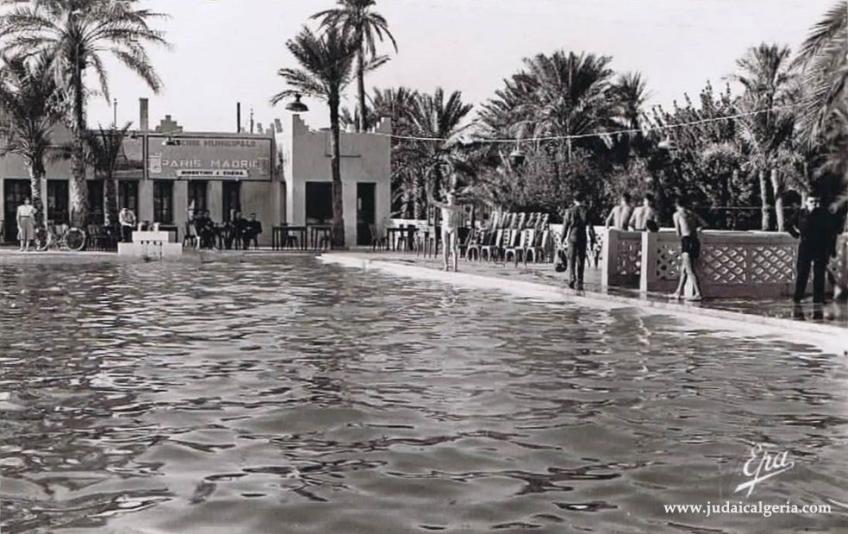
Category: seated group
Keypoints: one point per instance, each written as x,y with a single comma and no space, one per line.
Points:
237,232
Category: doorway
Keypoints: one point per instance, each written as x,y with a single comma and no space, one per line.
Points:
319,202
14,193
96,202
231,199
366,213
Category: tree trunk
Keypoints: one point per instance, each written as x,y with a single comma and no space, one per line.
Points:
335,166
79,187
360,87
110,186
36,176
766,212
777,187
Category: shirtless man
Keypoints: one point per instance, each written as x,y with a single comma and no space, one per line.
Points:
645,216
619,216
451,220
687,224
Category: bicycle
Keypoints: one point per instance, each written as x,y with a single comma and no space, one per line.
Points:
60,237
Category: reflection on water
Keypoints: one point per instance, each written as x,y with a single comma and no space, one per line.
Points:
261,396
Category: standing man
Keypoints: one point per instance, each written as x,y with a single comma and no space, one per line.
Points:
577,234
25,217
451,221
645,216
127,220
814,227
619,216
687,223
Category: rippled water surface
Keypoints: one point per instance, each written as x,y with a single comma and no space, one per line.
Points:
281,395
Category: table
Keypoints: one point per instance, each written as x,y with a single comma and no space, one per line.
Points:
280,236
325,231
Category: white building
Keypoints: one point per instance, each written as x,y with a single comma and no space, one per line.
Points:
365,170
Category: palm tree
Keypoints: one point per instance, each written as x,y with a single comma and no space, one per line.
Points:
396,104
769,84
434,116
105,147
77,34
326,66
823,123
823,56
571,96
356,19
27,97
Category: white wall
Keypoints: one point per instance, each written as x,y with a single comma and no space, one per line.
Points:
365,158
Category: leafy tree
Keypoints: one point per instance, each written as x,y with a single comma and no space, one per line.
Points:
77,34
357,19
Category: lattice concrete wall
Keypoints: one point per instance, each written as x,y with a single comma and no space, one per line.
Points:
621,259
732,264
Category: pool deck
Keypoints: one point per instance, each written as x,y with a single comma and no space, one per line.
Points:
823,325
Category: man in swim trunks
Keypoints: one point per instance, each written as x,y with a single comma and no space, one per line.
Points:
619,216
451,221
645,216
687,224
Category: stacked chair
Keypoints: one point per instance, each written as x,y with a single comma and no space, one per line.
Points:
517,237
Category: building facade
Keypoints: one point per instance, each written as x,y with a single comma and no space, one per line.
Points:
165,172
366,171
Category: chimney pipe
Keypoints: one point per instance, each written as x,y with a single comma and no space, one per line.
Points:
143,114
238,117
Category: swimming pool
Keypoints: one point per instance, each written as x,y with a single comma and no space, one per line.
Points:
281,395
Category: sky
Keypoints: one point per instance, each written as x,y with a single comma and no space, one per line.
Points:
228,51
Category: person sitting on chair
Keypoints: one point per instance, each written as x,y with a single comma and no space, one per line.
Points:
127,220
252,229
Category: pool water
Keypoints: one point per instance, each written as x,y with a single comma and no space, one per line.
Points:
282,395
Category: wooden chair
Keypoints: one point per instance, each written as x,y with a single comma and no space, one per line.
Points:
378,238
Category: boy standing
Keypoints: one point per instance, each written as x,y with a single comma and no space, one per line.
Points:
687,224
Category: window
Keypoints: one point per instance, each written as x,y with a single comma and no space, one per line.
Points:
232,199
197,195
163,202
57,201
128,195
95,202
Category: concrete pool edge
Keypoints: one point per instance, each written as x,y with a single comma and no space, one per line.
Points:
829,337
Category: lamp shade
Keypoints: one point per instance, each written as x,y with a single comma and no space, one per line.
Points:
297,106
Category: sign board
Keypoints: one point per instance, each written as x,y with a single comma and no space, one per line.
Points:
221,158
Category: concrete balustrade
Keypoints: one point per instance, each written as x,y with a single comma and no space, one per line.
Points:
732,264
621,258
